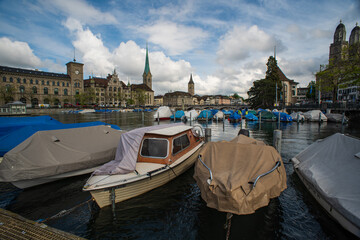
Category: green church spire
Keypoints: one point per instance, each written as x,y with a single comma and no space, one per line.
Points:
147,65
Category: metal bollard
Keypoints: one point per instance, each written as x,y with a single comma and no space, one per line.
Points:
298,116
259,116
319,117
277,135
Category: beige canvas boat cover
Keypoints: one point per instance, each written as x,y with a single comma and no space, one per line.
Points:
235,165
48,153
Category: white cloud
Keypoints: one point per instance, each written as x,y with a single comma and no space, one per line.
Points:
175,38
241,42
17,54
81,10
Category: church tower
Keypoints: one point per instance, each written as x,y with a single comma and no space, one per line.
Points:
147,77
339,45
191,86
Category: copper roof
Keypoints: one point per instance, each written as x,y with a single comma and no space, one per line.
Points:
142,86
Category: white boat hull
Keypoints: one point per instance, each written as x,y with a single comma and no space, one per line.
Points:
130,189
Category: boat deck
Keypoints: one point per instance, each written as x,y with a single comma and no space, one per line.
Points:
13,226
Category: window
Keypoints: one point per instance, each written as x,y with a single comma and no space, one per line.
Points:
37,81
65,92
22,89
154,147
67,84
56,91
58,84
11,79
110,88
48,83
24,80
4,79
31,81
63,84
53,83
46,90
77,92
34,89
42,82
18,80
180,143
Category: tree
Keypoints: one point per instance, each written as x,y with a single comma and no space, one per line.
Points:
310,94
140,96
87,97
236,96
7,93
263,92
340,73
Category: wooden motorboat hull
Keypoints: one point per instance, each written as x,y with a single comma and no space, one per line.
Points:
103,197
333,212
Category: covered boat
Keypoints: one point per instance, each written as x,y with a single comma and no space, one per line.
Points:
284,117
146,158
239,176
163,113
219,116
296,115
315,116
235,117
336,117
191,115
22,132
179,114
52,155
205,115
251,117
329,168
267,116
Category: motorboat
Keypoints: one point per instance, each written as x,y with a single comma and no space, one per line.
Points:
191,115
336,117
205,115
179,115
235,117
296,115
239,176
146,158
52,155
329,169
315,116
163,113
219,116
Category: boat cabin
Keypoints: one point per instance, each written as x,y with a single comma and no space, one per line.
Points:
165,146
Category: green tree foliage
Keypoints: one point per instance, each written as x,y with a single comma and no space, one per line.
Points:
7,93
310,94
140,97
236,96
340,73
262,93
87,97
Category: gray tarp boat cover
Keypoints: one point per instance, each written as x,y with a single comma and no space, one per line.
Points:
336,117
233,165
48,153
334,170
313,116
127,151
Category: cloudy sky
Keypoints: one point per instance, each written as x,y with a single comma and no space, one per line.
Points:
225,44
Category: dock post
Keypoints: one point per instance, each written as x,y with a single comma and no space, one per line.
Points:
298,116
320,117
190,118
207,134
260,116
278,120
343,118
207,119
224,122
142,117
158,118
277,140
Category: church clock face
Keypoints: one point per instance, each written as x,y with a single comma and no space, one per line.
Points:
76,72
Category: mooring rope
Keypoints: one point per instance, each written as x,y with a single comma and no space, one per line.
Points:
228,224
65,212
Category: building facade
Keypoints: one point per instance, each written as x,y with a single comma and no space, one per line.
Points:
34,87
289,91
177,98
341,50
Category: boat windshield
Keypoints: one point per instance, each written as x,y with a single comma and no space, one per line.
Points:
180,143
154,147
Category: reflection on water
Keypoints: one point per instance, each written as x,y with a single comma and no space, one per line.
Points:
176,210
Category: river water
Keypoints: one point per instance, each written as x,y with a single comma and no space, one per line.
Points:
176,210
